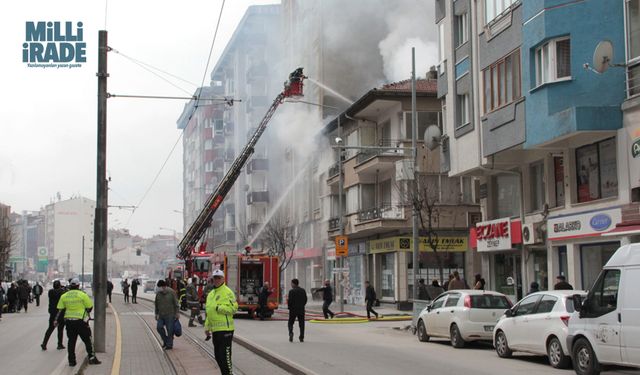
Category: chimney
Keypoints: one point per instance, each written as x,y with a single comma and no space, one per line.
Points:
432,73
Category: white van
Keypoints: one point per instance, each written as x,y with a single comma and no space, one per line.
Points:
606,326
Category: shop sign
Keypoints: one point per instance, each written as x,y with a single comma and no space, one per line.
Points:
633,140
331,254
444,244
494,235
587,224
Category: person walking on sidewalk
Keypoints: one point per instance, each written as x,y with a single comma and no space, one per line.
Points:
12,298
134,290
193,302
166,311
125,290
3,298
54,296
221,305
296,302
327,297
109,289
37,292
370,299
24,291
75,305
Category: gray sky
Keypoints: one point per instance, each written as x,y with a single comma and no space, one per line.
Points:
48,116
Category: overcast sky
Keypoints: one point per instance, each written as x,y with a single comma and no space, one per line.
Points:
48,116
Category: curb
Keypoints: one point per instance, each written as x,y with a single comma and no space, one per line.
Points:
276,359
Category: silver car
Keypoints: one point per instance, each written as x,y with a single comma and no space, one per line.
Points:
462,316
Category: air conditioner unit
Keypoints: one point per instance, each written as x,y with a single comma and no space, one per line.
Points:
531,234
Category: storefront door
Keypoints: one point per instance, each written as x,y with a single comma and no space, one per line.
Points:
388,274
508,275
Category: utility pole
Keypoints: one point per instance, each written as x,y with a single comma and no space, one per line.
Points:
82,262
340,222
414,146
100,220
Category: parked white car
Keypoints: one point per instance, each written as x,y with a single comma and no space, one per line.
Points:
538,324
606,328
462,316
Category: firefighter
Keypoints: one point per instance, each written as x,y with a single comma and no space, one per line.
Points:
220,307
182,294
76,305
193,301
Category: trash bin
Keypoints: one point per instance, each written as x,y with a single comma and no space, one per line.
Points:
418,306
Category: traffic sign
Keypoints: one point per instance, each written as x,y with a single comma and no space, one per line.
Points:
342,246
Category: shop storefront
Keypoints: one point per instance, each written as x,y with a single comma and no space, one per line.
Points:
306,266
583,242
391,268
499,243
354,283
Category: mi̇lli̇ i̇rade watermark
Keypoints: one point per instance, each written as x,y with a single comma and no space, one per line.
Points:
54,44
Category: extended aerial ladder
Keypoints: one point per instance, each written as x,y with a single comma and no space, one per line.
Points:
292,88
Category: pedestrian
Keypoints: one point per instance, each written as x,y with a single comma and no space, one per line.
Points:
54,297
182,294
12,297
327,297
208,288
23,295
75,305
125,290
37,292
562,284
479,282
193,301
109,289
263,297
434,289
456,282
370,299
3,298
446,283
166,312
423,294
534,287
221,305
296,302
134,290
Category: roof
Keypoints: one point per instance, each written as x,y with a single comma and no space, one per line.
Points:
627,255
392,91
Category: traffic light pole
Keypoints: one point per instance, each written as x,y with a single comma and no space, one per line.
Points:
100,219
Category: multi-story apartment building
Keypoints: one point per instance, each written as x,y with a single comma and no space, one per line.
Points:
378,194
5,241
29,250
542,133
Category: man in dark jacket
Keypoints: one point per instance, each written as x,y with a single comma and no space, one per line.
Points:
134,290
23,295
166,311
296,301
263,297
37,292
327,297
370,299
562,284
12,297
54,297
109,289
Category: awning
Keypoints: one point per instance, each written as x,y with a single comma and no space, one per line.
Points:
624,230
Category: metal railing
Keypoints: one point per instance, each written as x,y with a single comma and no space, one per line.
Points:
384,211
633,80
334,170
334,223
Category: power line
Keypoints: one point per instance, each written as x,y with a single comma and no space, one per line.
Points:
155,67
206,68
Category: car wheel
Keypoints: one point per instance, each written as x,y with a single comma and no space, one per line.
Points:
584,358
557,359
456,337
422,332
502,346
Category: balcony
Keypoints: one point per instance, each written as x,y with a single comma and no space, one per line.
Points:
257,164
333,174
334,223
380,219
378,161
257,197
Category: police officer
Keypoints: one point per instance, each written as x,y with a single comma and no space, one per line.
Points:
76,305
220,307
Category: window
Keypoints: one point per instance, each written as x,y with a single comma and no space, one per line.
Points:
603,298
208,144
597,173
208,166
441,45
553,61
546,304
536,177
424,120
507,195
452,300
462,29
488,301
526,306
502,82
633,28
352,200
593,257
558,168
462,110
493,8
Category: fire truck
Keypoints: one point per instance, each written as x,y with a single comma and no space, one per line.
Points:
245,272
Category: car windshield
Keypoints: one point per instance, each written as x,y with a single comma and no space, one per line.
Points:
489,301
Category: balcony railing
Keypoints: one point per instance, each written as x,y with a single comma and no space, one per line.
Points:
334,223
633,80
334,170
385,211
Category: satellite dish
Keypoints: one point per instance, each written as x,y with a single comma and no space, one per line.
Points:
602,56
432,137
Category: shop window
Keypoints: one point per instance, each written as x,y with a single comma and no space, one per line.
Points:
388,272
462,29
558,172
494,8
502,82
507,195
593,258
597,173
553,61
603,297
536,177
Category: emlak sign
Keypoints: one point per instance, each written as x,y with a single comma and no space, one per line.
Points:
494,235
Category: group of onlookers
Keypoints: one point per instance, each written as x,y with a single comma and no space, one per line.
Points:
18,295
